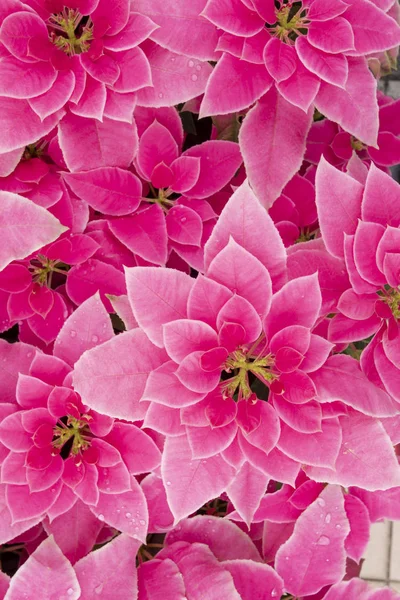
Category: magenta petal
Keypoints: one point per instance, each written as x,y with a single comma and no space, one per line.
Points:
219,161
109,569
89,326
109,190
336,380
332,183
191,483
144,233
186,170
183,336
184,225
319,449
15,278
243,209
44,574
156,145
371,468
188,80
27,227
25,505
270,165
164,387
234,85
331,68
358,538
112,143
243,274
126,511
253,578
280,59
157,296
316,547
333,36
122,381
355,107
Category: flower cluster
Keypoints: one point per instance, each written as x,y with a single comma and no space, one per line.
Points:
199,298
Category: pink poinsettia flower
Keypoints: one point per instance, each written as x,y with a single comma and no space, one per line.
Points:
81,53
176,217
337,146
30,288
369,246
311,51
232,374
208,556
89,55
56,451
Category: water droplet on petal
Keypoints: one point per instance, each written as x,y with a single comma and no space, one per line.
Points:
101,517
128,515
142,522
173,59
198,67
323,541
194,77
70,591
168,483
99,589
320,501
183,219
328,518
338,526
95,339
161,95
72,333
274,593
191,63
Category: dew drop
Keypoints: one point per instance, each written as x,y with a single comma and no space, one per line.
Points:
95,339
194,77
323,541
173,59
29,354
70,591
118,510
161,95
101,517
338,526
168,483
128,515
142,522
328,518
72,333
191,63
274,593
183,219
286,558
320,501
198,67
135,536
99,589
